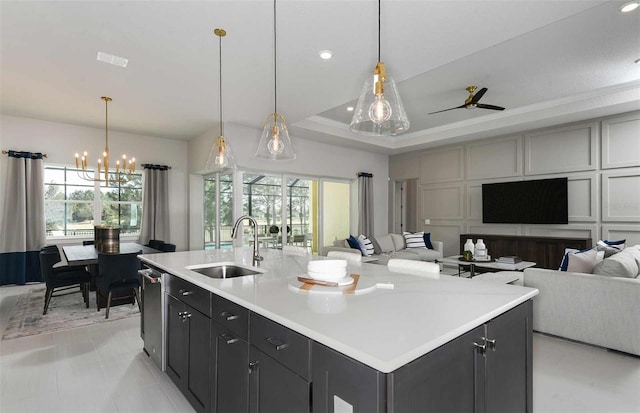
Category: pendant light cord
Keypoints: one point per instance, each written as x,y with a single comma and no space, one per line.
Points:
275,73
379,30
220,95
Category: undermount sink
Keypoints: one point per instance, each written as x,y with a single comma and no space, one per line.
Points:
224,270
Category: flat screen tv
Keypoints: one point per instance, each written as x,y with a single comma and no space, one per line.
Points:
542,201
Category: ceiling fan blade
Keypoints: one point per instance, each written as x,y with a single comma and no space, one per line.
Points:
483,106
478,95
457,107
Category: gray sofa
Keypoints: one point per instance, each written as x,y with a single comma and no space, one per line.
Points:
592,308
389,246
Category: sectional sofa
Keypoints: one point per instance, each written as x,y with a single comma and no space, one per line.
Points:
390,246
600,308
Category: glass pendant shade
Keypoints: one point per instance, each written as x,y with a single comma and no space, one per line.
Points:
221,157
379,111
275,143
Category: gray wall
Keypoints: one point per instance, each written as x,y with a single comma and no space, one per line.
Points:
600,158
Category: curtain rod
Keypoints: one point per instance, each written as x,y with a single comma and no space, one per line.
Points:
366,174
153,166
4,152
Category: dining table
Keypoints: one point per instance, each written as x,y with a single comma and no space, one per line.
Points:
87,255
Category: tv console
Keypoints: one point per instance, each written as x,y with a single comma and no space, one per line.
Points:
546,252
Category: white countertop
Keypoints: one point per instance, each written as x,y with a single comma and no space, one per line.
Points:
382,328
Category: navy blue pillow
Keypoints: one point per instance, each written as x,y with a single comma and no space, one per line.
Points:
614,243
427,240
353,243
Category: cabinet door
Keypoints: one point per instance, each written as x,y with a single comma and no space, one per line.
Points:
274,388
447,379
509,362
198,378
176,341
230,372
341,383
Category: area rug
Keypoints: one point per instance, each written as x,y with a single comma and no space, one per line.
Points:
65,312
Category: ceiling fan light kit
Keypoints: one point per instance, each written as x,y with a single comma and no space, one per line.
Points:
275,143
379,111
220,157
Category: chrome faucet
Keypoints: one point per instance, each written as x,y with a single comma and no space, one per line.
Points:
256,254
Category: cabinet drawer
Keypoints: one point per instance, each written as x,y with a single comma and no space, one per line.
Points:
282,344
196,297
231,316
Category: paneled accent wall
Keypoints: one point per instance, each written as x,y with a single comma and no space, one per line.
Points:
599,157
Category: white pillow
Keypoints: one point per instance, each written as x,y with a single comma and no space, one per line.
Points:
622,264
584,262
365,245
415,240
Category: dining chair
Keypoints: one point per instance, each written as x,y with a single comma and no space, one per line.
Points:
117,272
412,267
349,256
63,278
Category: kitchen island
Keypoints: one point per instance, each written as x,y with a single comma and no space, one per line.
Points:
373,350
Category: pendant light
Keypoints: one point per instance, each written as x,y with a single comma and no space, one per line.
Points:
379,111
102,174
220,157
275,143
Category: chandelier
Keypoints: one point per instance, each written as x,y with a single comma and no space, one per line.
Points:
101,174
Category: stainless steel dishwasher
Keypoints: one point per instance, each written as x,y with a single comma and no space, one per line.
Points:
152,321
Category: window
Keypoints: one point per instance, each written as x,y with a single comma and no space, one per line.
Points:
74,205
218,188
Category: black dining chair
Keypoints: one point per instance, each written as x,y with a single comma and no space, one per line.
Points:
63,278
117,272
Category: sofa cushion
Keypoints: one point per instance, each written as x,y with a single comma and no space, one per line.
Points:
365,245
386,243
423,254
376,246
414,240
584,261
398,242
626,263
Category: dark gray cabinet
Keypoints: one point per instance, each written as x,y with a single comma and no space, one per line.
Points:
279,368
485,370
230,359
189,341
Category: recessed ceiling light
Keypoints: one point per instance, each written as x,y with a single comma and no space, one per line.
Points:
112,59
631,6
326,54
349,108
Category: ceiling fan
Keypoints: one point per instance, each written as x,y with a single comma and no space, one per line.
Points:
472,101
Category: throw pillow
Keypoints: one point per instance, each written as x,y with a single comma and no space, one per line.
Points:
622,264
376,246
398,242
570,251
584,261
353,243
386,243
365,245
427,240
611,247
415,240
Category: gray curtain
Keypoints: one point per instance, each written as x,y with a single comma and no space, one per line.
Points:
22,225
155,204
365,204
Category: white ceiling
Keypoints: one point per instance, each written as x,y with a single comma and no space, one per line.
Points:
547,62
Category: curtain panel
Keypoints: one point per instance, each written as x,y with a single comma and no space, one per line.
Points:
155,204
22,224
365,204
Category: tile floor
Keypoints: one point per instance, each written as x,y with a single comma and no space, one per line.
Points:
103,369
